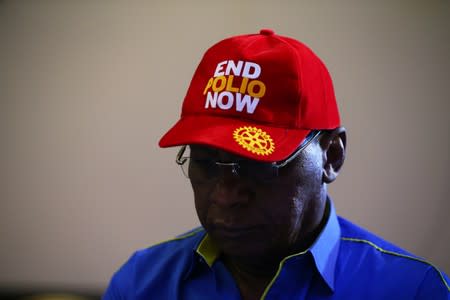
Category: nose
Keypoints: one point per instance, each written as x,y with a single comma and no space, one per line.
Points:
230,191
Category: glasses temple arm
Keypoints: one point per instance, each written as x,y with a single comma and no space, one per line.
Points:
180,160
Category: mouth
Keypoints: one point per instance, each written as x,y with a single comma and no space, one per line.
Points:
234,231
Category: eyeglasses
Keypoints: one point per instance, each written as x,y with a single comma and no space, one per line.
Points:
207,170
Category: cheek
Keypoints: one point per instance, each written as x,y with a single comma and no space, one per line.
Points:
284,209
308,185
201,204
297,209
294,204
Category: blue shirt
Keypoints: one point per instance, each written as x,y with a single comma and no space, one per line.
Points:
345,262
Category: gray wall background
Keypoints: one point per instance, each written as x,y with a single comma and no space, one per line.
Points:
88,87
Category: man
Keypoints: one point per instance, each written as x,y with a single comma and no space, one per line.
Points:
261,139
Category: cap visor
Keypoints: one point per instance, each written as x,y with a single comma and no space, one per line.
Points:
250,140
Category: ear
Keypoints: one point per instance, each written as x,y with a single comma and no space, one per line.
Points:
333,145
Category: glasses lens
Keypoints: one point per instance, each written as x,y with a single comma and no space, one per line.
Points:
200,170
204,170
257,170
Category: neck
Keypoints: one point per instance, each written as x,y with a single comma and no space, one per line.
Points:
255,268
312,226
266,267
251,278
253,274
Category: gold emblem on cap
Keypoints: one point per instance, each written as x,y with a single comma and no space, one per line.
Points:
254,140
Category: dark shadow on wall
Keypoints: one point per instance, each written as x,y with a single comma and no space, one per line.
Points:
49,294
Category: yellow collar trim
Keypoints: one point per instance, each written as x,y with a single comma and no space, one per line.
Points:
208,250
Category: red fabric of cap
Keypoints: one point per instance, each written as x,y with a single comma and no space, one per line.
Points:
257,96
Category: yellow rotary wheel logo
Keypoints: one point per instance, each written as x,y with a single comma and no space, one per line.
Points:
254,140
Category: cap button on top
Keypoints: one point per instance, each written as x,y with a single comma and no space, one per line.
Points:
266,31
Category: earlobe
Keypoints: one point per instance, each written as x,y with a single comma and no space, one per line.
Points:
333,146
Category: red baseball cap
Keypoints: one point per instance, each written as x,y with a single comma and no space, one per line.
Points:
257,96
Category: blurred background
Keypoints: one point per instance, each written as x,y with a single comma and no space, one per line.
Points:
87,88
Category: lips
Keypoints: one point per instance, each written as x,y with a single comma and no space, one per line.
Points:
234,231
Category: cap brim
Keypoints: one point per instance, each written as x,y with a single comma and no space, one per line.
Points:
250,140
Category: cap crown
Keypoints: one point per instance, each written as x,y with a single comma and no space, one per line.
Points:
257,96
265,79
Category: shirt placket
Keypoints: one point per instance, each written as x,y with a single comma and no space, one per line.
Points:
293,280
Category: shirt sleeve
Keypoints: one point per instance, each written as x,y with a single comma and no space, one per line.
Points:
435,285
120,287
112,292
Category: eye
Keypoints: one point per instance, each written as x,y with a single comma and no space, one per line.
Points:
205,166
202,169
201,163
256,170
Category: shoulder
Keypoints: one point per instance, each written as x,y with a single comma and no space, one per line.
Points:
176,251
172,248
165,261
386,263
357,236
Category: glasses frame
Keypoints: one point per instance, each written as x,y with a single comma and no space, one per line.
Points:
181,160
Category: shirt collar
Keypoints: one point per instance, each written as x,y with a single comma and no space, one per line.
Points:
326,247
208,250
324,250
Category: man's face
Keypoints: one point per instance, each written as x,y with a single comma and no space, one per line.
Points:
250,218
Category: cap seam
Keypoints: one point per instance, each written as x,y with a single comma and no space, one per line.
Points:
298,61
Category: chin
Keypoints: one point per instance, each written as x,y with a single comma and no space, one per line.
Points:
241,247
